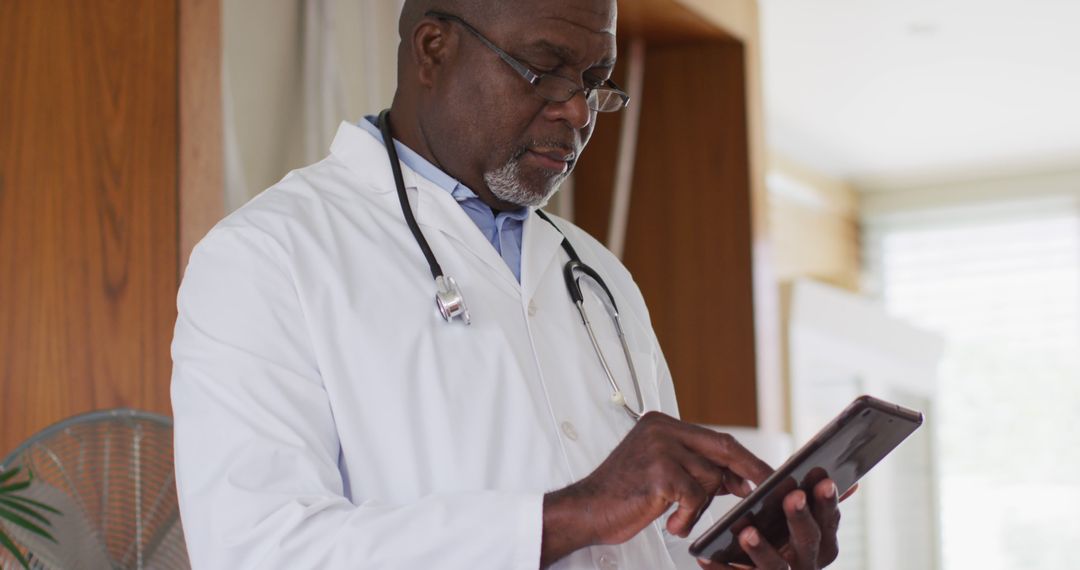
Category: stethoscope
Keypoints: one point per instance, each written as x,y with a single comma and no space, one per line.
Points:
451,303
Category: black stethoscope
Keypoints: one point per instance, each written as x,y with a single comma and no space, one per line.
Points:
451,303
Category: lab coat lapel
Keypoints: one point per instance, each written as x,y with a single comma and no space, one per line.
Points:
434,208
540,247
437,210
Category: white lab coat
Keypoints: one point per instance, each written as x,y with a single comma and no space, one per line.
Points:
326,416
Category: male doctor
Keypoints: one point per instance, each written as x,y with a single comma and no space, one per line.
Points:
328,417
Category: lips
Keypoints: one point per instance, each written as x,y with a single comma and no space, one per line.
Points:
550,158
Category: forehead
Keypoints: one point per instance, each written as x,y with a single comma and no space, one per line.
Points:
596,16
584,28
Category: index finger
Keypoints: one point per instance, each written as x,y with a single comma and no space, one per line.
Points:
724,450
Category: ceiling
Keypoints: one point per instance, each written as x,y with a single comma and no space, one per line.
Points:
881,92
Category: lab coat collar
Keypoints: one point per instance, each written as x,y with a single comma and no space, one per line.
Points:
435,209
357,150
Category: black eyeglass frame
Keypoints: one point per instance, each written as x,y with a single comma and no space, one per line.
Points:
534,78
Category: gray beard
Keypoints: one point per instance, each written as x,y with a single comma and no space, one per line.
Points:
505,183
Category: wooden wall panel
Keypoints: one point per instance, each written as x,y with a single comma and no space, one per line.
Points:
88,208
690,241
594,175
665,21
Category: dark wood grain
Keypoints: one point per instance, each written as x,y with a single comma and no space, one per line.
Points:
88,210
689,243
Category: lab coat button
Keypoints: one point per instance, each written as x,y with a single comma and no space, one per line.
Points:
607,562
569,431
532,308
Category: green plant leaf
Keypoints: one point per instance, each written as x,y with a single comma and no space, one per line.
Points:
14,487
22,522
24,510
9,474
10,546
35,504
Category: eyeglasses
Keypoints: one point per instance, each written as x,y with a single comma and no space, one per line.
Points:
605,98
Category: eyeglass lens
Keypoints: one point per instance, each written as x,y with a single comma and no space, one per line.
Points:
559,89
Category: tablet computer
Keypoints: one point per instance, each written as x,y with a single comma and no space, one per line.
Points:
844,450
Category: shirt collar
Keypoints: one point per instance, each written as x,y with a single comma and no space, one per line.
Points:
425,168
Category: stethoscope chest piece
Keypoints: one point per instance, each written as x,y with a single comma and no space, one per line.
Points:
449,300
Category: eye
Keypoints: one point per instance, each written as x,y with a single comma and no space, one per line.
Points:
594,82
537,69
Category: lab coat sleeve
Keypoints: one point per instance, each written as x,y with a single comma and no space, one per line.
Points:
257,451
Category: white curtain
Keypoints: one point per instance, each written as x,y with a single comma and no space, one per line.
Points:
292,70
323,98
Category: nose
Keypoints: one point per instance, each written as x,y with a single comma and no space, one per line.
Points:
574,111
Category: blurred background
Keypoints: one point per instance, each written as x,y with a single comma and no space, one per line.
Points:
818,198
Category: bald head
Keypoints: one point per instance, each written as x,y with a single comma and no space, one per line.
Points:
414,11
482,12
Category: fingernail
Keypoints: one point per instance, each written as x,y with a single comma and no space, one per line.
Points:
800,502
751,537
831,492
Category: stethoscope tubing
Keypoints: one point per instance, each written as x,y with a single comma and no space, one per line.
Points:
406,210
451,303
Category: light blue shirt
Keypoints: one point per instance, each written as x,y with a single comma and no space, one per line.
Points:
503,229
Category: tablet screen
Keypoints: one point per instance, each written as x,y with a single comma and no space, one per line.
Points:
845,450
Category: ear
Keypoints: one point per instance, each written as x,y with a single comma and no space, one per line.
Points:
432,47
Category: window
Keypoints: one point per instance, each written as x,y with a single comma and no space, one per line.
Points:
1001,282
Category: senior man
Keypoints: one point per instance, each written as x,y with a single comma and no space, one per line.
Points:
329,414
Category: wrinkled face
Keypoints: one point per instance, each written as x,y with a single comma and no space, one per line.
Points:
485,124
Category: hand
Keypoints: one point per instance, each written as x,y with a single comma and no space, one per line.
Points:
812,529
662,461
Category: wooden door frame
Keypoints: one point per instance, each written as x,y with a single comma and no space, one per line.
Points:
201,148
